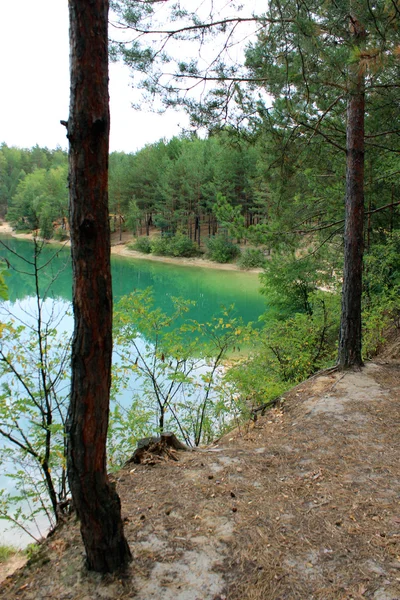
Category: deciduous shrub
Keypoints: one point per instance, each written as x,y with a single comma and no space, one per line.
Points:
61,235
178,245
221,249
142,244
287,352
251,258
160,246
181,245
381,293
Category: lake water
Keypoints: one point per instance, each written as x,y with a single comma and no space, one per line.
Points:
209,289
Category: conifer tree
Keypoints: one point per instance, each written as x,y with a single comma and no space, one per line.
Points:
94,497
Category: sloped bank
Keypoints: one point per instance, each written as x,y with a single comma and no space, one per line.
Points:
301,504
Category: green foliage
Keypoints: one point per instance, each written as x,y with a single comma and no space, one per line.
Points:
160,246
7,552
32,421
40,199
303,344
382,267
230,218
252,258
378,316
179,366
133,217
34,361
46,223
181,245
221,249
288,282
126,425
142,244
382,292
3,285
16,164
178,245
287,352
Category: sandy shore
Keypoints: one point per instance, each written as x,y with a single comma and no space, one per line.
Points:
121,249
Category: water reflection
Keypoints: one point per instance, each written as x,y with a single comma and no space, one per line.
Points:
209,289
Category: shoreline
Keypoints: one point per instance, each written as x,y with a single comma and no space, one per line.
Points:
121,249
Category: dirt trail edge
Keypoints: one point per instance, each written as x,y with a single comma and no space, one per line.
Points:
302,504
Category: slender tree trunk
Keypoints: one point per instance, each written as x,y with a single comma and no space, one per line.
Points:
350,326
95,499
392,211
198,225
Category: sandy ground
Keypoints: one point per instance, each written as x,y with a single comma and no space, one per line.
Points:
12,564
119,248
302,504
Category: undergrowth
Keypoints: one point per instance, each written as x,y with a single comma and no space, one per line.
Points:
6,552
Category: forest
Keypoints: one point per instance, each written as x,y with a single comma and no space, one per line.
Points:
301,182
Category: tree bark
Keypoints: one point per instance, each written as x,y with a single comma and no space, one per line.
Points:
350,327
95,499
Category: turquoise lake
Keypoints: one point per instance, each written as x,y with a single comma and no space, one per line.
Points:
208,288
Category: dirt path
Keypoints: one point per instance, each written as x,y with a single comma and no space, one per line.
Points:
303,504
11,565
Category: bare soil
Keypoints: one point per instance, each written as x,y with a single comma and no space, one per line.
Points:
13,563
302,504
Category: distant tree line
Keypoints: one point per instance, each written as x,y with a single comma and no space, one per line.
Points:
264,188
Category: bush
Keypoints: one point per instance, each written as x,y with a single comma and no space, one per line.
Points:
46,226
289,283
252,258
61,235
142,244
221,249
382,268
160,246
7,552
179,246
382,293
288,352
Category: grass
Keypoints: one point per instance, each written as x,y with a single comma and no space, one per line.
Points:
6,552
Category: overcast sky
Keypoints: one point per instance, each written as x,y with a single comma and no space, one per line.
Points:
34,76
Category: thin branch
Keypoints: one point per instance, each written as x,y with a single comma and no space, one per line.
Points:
326,137
203,26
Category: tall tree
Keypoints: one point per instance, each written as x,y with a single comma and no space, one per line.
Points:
315,59
321,61
350,324
95,499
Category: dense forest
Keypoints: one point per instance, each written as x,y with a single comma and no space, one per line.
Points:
232,182
268,197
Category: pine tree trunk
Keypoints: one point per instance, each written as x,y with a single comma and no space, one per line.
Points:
350,326
95,499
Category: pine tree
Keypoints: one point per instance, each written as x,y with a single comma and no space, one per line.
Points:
95,499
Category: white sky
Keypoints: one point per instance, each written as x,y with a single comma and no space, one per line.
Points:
34,78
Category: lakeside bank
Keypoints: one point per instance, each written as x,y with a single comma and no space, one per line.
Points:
119,248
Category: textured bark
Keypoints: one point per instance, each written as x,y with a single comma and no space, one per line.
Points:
350,326
95,499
